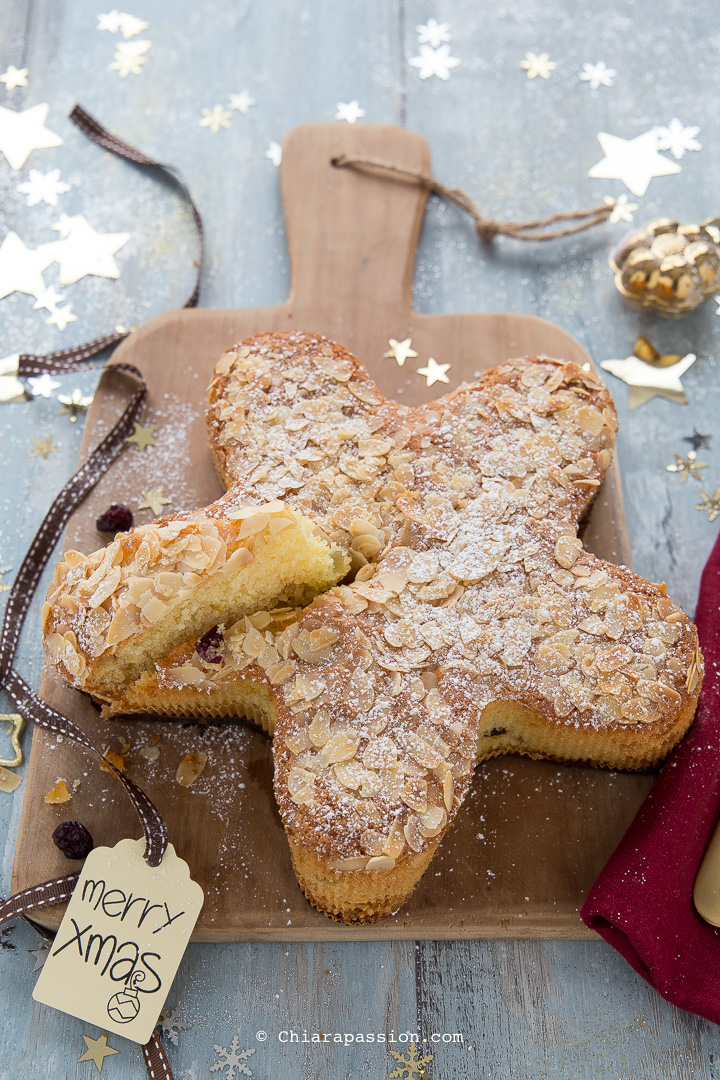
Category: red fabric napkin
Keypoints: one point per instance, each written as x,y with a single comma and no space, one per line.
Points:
642,902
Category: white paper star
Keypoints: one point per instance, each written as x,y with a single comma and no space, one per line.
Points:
349,111
677,138
130,25
23,132
110,22
42,385
400,350
60,317
48,299
538,64
11,389
433,33
20,268
241,102
634,161
215,118
597,75
274,153
434,372
622,209
436,62
129,57
14,77
82,250
649,381
43,187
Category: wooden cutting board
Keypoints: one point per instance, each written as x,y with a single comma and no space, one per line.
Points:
531,836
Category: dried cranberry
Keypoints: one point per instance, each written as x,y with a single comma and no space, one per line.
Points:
209,646
117,518
73,839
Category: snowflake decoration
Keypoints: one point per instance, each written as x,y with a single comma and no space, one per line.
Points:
710,504
274,153
232,1060
120,20
215,118
687,466
171,1025
622,209
410,1066
433,33
349,110
597,75
130,57
436,62
242,102
677,138
43,187
535,65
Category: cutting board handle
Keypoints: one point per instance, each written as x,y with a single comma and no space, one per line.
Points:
352,237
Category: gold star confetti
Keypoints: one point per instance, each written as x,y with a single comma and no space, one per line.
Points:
215,118
687,466
143,436
434,372
74,404
710,504
650,374
4,570
43,448
400,350
97,1050
154,500
536,65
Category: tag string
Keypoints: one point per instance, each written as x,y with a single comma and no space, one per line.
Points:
487,228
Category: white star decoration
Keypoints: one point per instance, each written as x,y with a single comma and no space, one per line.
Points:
21,269
82,250
43,187
647,381
11,389
434,372
274,153
597,75
400,350
435,62
48,299
14,77
433,33
349,111
622,209
110,22
538,64
42,385
23,132
634,161
241,102
215,118
130,25
60,317
677,138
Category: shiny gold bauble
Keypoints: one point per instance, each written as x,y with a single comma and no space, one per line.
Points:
668,267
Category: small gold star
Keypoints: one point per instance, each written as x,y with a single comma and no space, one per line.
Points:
75,404
434,372
710,504
400,350
154,500
97,1050
3,571
143,436
688,466
43,447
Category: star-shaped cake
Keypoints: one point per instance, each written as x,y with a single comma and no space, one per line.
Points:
393,593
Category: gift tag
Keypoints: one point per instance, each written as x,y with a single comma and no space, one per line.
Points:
121,940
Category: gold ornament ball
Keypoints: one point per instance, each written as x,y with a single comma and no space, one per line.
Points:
668,267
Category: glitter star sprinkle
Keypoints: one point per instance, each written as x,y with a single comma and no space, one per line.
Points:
215,118
241,102
622,209
42,385
23,132
710,504
14,77
43,448
143,436
400,350
97,1050
410,1066
43,187
60,317
153,500
433,33
677,138
74,404
634,161
698,441
434,372
82,250
597,75
538,65
274,153
349,110
647,381
434,62
687,466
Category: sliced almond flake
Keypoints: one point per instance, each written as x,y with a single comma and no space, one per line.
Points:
9,781
190,768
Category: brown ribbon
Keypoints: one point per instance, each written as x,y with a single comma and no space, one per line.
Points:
487,228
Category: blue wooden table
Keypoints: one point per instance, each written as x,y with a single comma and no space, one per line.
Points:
523,147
